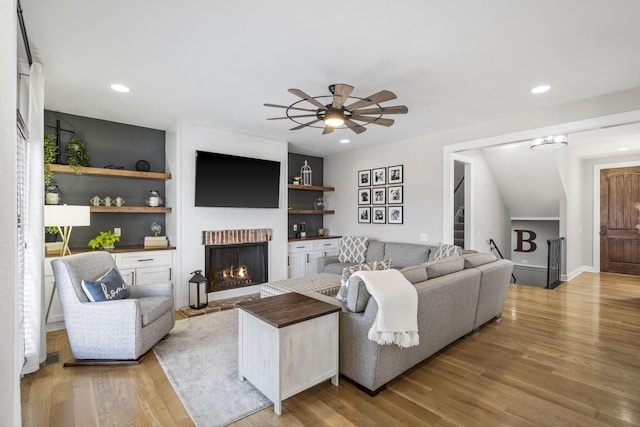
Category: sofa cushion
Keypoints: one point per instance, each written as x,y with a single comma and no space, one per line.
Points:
375,251
406,254
348,271
415,273
478,259
444,266
109,286
336,267
353,249
445,251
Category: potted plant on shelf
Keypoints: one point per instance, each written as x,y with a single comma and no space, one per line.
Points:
77,154
104,240
50,151
51,234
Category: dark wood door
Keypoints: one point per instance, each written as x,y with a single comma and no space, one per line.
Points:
619,220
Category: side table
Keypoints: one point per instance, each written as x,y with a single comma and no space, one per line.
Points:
287,344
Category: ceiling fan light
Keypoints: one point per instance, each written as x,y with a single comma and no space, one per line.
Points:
549,142
334,118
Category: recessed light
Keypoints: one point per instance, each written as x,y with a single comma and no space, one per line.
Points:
623,149
540,89
119,88
344,141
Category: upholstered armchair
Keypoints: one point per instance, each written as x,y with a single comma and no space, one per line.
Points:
113,329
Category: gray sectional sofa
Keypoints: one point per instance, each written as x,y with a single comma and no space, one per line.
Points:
456,295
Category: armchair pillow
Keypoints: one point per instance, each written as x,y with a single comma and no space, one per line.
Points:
348,271
110,286
353,249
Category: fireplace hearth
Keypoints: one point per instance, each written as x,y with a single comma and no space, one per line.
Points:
236,265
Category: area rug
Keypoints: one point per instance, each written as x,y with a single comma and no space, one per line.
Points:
200,358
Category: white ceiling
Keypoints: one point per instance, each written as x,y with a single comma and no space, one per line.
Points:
452,63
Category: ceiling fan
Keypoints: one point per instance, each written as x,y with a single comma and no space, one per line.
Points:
336,114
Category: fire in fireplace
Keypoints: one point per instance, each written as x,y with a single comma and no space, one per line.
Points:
235,266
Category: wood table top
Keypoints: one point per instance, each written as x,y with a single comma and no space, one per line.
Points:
287,309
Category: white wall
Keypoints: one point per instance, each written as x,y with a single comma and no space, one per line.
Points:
9,350
187,222
422,191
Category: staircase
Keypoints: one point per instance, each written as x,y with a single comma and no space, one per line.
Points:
458,227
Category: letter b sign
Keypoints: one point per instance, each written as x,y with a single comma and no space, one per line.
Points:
530,240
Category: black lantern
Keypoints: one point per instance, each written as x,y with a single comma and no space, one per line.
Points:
198,290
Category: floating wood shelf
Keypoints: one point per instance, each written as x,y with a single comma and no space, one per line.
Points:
111,172
310,187
309,212
129,209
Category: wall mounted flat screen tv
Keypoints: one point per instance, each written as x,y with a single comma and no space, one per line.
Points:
229,181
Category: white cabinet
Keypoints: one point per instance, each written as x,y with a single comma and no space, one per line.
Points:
136,268
145,267
303,255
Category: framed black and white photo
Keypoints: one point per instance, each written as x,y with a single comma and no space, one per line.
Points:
364,178
379,176
364,196
395,194
379,196
364,215
378,215
395,215
396,174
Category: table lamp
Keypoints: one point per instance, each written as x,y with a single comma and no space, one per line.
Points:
66,217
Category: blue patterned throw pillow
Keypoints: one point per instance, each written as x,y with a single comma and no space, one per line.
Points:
109,287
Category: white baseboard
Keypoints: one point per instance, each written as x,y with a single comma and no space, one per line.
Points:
582,269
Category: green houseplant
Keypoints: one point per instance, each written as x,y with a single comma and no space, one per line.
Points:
104,240
50,151
77,154
51,234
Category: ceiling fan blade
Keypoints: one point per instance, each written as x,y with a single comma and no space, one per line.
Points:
375,120
376,98
292,117
327,129
288,107
305,124
354,126
301,94
396,109
341,93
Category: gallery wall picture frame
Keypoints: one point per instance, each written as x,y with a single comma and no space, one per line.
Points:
379,215
379,196
395,214
396,195
364,178
364,196
364,215
395,174
379,176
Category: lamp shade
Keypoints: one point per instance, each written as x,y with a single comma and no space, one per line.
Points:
66,216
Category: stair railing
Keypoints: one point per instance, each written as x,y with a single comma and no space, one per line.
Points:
493,246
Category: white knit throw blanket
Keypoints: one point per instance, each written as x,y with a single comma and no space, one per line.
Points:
397,319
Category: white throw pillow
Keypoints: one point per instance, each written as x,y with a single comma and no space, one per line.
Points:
353,249
445,251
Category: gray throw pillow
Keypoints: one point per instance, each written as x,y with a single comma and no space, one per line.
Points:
353,249
348,271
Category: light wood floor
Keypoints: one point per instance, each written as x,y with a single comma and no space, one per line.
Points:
569,357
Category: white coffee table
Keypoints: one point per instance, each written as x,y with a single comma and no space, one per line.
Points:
287,344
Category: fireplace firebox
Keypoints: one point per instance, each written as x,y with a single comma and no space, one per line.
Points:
236,266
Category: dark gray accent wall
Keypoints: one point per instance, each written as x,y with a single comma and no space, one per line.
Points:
304,199
111,143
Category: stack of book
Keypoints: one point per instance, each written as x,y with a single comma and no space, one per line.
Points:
155,242
53,248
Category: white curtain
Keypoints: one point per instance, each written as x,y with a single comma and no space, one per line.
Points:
35,343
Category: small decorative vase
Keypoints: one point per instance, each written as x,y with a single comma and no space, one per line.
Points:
318,204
